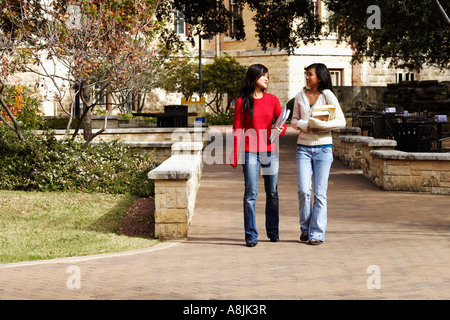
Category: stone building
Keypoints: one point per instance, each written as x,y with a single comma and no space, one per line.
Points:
286,71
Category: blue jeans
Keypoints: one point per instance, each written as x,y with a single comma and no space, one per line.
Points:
313,161
269,169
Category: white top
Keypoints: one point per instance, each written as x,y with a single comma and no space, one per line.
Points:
301,118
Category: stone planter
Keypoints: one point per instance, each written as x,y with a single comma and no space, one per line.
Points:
134,123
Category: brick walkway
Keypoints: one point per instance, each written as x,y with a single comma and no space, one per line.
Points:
402,237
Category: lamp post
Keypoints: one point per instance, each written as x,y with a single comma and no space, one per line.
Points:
200,37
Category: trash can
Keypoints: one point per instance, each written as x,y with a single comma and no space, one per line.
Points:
174,116
198,106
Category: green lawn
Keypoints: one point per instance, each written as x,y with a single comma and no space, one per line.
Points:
40,225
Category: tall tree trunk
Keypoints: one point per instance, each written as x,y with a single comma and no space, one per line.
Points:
86,97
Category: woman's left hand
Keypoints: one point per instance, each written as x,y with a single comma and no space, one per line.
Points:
315,125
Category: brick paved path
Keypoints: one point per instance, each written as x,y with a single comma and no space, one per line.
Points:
402,237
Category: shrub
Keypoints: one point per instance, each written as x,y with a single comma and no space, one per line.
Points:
47,164
24,104
224,118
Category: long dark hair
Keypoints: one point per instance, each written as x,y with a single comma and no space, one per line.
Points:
324,76
254,72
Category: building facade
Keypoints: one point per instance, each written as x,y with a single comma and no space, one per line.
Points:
286,70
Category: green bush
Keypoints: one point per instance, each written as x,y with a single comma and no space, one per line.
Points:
47,164
54,123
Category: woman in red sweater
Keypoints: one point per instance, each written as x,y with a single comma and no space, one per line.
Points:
253,116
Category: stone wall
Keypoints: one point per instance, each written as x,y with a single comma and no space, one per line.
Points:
353,150
348,96
415,96
406,171
391,169
156,140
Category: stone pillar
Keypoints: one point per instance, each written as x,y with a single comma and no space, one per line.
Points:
176,184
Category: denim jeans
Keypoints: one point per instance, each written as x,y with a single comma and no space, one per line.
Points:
316,162
269,169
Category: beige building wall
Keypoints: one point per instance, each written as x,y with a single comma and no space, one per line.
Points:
379,74
278,65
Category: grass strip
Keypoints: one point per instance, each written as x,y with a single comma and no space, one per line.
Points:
49,225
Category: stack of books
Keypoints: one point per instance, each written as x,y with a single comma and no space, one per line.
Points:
324,113
284,116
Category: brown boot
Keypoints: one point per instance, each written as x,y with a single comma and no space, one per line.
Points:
304,237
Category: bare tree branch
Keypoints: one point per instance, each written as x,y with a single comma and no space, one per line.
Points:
442,11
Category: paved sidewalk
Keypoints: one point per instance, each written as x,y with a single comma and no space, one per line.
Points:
401,239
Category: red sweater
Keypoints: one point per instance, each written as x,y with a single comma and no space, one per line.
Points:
257,130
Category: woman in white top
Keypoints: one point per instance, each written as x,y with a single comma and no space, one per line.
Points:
314,151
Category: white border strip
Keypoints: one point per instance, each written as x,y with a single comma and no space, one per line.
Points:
157,247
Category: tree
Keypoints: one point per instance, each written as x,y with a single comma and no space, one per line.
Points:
285,24
279,24
204,16
410,34
181,74
118,47
223,77
88,48
442,11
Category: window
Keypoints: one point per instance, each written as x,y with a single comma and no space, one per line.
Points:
324,16
404,76
316,7
236,21
179,23
336,77
100,96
